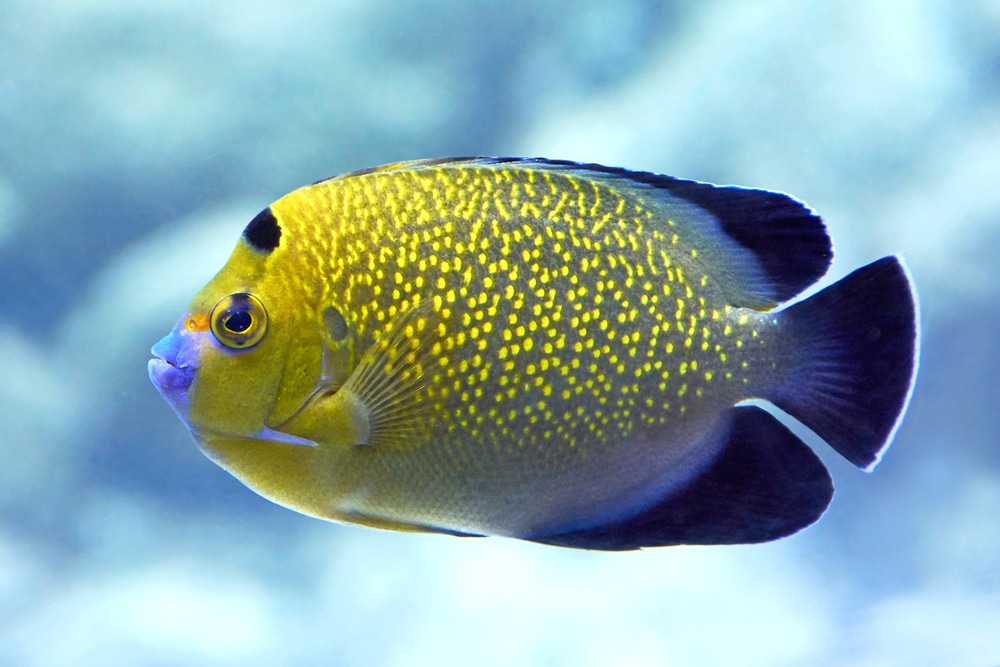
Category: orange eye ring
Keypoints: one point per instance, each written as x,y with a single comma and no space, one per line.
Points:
239,321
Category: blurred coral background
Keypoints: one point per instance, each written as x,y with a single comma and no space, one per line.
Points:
136,141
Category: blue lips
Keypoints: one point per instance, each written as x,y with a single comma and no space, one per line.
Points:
172,368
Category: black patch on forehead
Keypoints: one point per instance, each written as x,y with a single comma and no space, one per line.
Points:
263,232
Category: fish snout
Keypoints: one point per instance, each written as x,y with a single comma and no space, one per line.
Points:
172,368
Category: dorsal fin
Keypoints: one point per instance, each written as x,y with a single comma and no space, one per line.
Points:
785,236
786,240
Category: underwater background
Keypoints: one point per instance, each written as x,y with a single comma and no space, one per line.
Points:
138,139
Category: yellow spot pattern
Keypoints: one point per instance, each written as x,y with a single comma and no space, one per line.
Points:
564,312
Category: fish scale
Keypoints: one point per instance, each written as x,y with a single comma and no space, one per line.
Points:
540,349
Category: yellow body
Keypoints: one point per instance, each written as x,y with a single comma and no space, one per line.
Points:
555,348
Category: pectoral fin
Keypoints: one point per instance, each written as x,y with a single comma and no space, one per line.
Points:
382,402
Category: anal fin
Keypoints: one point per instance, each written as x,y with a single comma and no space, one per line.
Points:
765,484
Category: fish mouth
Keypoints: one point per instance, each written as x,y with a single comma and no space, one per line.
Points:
168,376
173,382
173,366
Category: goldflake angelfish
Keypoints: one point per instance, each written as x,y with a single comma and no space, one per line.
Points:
545,350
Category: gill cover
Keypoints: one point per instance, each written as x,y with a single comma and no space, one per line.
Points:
319,343
316,364
289,348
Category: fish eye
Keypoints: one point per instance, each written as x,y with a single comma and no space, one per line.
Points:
239,321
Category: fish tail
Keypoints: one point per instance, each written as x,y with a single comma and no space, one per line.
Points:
855,360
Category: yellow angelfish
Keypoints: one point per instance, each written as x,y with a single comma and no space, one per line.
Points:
545,350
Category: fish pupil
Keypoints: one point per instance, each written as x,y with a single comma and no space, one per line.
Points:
239,322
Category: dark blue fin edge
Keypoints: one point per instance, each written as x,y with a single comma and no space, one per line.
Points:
764,485
857,351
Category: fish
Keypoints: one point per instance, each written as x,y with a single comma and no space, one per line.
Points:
565,353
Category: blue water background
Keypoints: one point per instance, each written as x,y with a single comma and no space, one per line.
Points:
138,138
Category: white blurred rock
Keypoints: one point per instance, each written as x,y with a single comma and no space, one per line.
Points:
166,613
931,627
500,602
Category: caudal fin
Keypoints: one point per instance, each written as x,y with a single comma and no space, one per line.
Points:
852,376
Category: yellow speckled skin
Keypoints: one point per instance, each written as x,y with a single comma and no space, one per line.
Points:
570,339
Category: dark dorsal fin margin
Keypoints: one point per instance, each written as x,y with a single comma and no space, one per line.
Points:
788,238
263,232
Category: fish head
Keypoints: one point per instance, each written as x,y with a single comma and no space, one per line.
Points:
242,359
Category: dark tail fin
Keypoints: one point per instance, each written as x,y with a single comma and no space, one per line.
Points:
853,375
